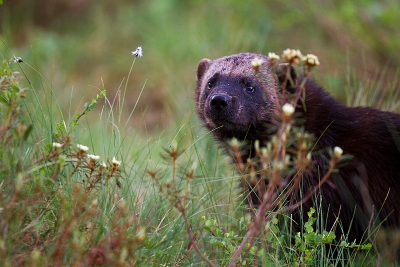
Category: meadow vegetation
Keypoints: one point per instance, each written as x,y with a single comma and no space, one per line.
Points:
156,190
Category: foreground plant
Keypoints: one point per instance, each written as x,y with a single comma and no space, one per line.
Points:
55,204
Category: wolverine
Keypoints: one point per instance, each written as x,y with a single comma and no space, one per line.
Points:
233,101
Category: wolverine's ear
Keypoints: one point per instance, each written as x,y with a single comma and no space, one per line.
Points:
286,72
202,67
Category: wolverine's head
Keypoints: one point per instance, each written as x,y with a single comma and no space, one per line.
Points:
232,98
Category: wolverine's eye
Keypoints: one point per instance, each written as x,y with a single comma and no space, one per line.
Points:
249,88
212,81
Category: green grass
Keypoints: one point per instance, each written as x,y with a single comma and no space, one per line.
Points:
53,216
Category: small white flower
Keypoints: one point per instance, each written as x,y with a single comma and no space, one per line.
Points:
337,152
288,109
103,164
292,56
273,58
311,60
273,55
82,147
234,143
93,157
257,62
18,59
57,145
138,52
116,162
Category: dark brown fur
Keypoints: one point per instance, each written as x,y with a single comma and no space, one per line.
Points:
232,101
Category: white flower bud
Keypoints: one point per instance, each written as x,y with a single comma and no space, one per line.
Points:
292,56
82,147
273,58
337,152
93,157
57,145
288,111
116,162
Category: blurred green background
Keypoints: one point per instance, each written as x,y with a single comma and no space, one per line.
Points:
78,45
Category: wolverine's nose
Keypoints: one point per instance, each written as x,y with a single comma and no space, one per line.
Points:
219,102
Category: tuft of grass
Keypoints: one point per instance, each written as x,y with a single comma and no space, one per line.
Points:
60,205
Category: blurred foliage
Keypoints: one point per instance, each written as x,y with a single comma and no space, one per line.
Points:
86,42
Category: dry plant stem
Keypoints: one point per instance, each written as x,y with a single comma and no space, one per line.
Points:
284,85
302,87
51,155
265,206
282,143
180,206
174,175
78,163
94,182
179,202
294,188
239,159
53,198
193,240
59,249
268,198
312,192
257,225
